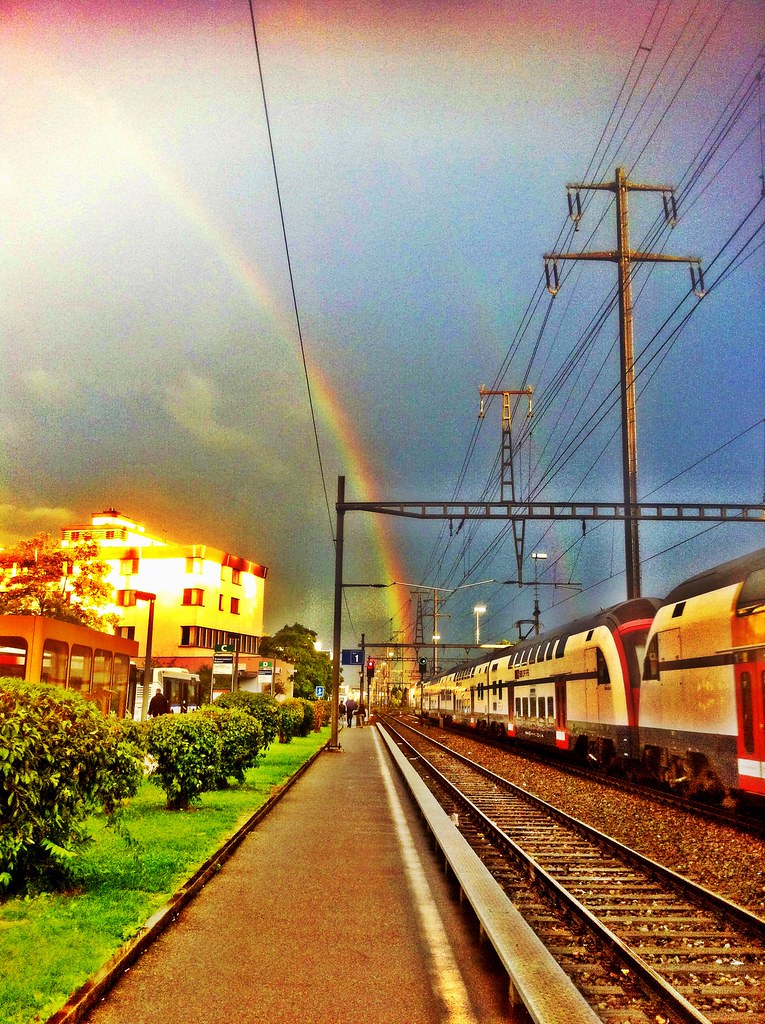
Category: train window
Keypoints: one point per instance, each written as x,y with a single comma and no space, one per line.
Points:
55,661
589,634
524,707
752,596
550,650
651,663
604,679
517,707
120,682
747,713
551,707
532,707
678,610
13,657
102,670
561,648
79,670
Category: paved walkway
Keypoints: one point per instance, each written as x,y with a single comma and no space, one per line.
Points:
333,909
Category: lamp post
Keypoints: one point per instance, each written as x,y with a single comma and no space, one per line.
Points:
479,610
436,638
145,595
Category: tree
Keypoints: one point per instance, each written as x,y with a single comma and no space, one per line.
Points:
297,644
38,577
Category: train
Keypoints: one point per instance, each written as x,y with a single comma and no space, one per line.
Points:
97,665
669,691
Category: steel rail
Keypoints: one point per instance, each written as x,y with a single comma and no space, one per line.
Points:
642,969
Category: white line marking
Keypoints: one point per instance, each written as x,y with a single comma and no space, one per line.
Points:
447,977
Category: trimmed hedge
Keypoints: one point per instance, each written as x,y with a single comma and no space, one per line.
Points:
292,719
187,752
241,738
262,706
60,759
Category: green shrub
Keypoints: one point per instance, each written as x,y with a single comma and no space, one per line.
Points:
260,705
241,737
60,759
307,725
322,713
187,751
291,719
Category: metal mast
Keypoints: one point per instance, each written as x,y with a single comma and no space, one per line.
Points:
507,472
623,256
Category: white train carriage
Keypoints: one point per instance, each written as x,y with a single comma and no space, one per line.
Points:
702,700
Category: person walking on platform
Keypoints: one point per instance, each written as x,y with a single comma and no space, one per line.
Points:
361,714
341,711
350,707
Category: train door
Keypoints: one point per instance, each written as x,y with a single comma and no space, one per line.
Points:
750,697
561,715
510,709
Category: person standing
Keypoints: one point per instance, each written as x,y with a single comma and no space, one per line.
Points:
159,705
350,707
361,714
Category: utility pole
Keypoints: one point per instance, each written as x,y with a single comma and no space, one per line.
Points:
623,256
507,475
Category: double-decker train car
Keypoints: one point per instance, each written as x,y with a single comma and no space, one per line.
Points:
702,697
97,665
673,690
572,688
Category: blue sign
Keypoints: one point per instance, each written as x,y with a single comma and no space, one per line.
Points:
319,691
352,657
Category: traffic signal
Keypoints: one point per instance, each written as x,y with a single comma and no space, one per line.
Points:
423,666
370,668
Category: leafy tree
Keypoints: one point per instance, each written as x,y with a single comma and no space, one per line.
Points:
39,577
297,644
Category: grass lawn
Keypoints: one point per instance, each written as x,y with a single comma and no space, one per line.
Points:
50,944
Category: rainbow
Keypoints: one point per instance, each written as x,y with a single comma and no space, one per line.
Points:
332,415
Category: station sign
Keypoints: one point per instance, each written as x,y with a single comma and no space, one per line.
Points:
319,692
225,649
352,657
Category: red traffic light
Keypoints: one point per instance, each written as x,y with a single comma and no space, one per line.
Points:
370,667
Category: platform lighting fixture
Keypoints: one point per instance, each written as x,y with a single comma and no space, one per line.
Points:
478,610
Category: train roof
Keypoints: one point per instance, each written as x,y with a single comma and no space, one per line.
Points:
626,611
725,575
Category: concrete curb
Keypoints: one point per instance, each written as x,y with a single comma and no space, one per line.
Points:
98,985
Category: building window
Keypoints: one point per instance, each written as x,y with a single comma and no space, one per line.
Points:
194,565
220,602
126,632
193,595
128,566
234,605
189,636
126,598
110,534
236,576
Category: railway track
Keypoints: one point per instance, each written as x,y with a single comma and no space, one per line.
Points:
701,958
739,819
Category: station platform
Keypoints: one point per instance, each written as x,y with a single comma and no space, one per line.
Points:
333,909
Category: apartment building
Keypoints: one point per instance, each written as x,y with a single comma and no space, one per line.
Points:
204,598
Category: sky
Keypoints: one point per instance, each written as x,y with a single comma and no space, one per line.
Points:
165,353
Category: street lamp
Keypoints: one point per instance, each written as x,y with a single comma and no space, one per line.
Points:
436,638
145,595
479,610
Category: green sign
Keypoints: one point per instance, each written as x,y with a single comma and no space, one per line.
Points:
224,649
